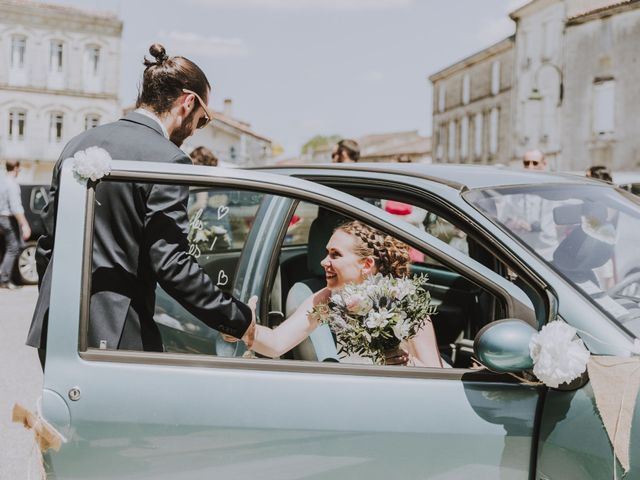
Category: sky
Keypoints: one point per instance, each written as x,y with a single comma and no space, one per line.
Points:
299,68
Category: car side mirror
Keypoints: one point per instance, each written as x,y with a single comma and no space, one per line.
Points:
503,345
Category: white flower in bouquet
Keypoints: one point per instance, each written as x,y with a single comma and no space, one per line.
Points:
377,314
402,329
558,356
92,163
378,319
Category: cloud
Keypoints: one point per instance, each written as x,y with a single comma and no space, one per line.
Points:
192,44
306,4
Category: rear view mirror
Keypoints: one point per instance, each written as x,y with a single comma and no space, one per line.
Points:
503,345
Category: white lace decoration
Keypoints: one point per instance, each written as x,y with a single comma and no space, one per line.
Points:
92,163
558,356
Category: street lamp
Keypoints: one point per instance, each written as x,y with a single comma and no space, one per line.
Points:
535,94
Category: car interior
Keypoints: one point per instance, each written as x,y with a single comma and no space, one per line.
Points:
463,307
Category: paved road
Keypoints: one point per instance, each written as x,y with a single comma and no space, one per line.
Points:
20,381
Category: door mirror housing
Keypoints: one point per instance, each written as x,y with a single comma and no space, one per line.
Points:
503,345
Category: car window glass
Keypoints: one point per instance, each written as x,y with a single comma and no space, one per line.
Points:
430,222
462,307
587,233
38,199
218,224
298,229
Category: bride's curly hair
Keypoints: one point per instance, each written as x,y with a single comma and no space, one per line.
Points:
391,255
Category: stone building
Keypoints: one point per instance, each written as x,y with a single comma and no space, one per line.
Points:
232,141
472,107
572,88
60,76
601,111
537,77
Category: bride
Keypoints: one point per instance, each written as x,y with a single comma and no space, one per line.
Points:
354,252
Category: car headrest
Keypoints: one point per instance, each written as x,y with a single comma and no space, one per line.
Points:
319,234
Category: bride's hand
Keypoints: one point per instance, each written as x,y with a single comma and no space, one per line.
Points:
396,356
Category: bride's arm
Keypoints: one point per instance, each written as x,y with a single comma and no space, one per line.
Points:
277,341
424,347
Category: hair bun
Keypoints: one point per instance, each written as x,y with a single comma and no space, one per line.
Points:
158,52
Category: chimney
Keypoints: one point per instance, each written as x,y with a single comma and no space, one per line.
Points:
227,107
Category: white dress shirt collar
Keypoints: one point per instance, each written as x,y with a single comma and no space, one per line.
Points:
153,116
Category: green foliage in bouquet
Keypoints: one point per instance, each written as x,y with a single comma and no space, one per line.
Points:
377,314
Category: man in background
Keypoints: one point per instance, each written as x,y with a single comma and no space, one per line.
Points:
346,151
13,224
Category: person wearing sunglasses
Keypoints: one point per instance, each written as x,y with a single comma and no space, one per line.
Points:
140,230
534,160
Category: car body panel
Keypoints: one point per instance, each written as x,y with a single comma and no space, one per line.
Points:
164,415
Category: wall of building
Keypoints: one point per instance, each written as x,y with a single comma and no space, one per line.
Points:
601,111
35,85
472,122
231,145
539,63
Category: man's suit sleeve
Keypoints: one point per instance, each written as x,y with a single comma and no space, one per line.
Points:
165,230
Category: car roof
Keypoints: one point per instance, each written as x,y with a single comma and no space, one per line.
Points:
624,178
456,176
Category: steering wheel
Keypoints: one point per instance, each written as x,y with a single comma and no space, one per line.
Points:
617,290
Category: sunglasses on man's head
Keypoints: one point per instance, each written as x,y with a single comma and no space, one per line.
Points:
204,121
526,163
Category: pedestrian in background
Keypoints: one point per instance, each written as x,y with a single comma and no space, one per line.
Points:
600,172
13,224
534,160
346,151
203,156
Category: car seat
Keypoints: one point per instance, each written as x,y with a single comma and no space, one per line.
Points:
320,346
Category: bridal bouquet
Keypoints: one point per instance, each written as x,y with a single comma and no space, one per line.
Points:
376,315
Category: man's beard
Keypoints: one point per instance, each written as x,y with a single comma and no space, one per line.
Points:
184,131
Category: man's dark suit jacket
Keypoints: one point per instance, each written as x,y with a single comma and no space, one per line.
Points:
140,240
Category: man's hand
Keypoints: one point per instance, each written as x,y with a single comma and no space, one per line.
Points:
26,231
250,335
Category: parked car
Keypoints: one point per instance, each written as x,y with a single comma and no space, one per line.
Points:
34,198
205,408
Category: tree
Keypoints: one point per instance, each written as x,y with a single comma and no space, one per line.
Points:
320,141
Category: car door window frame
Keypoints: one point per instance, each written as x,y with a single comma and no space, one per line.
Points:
131,172
419,197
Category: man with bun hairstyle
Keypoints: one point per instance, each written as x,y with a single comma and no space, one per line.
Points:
140,230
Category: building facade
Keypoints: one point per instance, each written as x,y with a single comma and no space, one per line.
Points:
538,83
572,88
472,107
601,112
232,141
61,76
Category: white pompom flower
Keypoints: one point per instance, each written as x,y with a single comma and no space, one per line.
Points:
558,356
92,163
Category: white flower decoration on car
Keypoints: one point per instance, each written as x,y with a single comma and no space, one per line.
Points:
92,163
558,356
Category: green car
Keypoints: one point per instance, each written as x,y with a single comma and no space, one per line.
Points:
496,244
